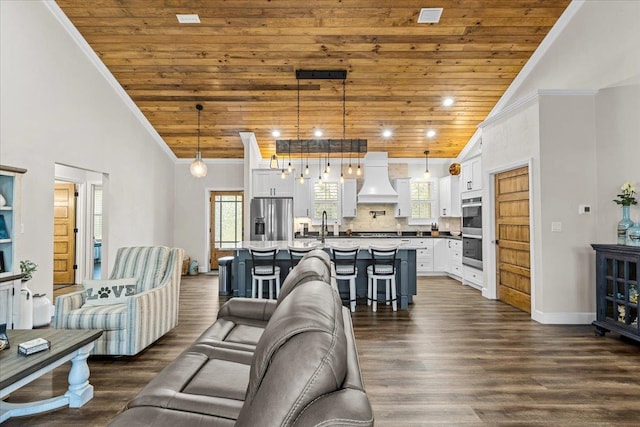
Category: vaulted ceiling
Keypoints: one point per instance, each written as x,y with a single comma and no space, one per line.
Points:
240,63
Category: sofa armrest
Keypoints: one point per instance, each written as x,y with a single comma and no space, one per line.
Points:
346,407
65,304
248,308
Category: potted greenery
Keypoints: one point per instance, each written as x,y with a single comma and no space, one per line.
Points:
625,199
27,267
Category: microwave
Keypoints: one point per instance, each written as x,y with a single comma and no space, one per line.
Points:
472,216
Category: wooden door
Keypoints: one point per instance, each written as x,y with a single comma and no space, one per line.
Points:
226,224
512,238
64,236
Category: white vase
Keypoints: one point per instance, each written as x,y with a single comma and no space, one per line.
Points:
3,201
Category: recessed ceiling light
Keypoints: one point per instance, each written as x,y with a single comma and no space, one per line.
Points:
188,18
387,133
429,15
431,133
318,133
447,102
275,133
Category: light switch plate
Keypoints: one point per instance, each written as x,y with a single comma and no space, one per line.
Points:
584,209
556,227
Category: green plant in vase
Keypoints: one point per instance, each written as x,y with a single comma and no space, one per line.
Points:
27,267
625,199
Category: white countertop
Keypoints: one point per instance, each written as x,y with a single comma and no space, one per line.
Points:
362,243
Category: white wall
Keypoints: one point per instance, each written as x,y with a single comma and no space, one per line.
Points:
576,116
57,108
192,213
618,154
599,47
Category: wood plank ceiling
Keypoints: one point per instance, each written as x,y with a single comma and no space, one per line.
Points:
240,63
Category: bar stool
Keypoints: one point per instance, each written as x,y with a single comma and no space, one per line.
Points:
296,253
264,268
383,268
344,259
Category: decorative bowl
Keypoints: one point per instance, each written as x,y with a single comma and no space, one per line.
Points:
454,233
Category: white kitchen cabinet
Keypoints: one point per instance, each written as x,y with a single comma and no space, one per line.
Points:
450,196
302,199
455,258
472,277
440,255
349,198
424,256
471,171
269,183
403,188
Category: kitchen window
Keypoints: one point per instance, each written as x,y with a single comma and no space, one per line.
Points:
423,202
325,198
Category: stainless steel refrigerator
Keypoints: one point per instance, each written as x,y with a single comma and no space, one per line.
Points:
271,219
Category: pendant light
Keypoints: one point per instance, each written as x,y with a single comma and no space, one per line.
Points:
359,171
298,137
427,174
198,168
350,169
344,126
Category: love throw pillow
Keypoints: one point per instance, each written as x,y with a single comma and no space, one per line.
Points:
106,292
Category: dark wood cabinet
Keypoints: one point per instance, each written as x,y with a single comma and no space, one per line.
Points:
617,280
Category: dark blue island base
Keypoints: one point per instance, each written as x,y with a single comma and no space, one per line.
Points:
405,276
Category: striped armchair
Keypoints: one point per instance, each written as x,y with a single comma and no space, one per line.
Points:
146,316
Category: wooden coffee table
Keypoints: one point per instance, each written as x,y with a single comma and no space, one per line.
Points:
17,371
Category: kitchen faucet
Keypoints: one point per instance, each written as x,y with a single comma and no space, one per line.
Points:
323,230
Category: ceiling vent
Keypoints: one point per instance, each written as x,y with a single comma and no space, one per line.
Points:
188,18
429,15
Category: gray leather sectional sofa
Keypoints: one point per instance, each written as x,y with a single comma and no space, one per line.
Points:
285,362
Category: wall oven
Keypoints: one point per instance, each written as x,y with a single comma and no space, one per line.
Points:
472,232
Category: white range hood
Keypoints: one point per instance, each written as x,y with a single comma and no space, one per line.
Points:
376,187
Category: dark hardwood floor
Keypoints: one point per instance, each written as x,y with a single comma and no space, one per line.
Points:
453,359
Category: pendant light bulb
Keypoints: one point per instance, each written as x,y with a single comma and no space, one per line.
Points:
284,174
359,171
301,178
350,170
306,170
427,174
198,168
290,168
328,167
342,178
326,174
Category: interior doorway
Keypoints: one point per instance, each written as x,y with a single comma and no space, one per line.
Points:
226,224
64,233
513,266
78,213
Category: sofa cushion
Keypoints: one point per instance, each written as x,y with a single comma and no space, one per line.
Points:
106,292
144,416
300,357
148,264
204,379
109,317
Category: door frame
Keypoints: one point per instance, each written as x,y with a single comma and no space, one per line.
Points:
84,216
78,259
205,267
490,291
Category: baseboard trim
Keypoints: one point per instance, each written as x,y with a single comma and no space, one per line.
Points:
563,318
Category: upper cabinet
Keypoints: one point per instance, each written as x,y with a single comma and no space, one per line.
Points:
269,183
471,172
349,198
403,188
302,198
450,196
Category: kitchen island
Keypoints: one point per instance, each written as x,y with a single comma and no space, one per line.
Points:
405,263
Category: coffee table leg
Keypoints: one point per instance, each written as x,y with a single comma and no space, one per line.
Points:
80,391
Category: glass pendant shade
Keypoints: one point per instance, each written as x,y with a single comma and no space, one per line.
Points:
198,168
